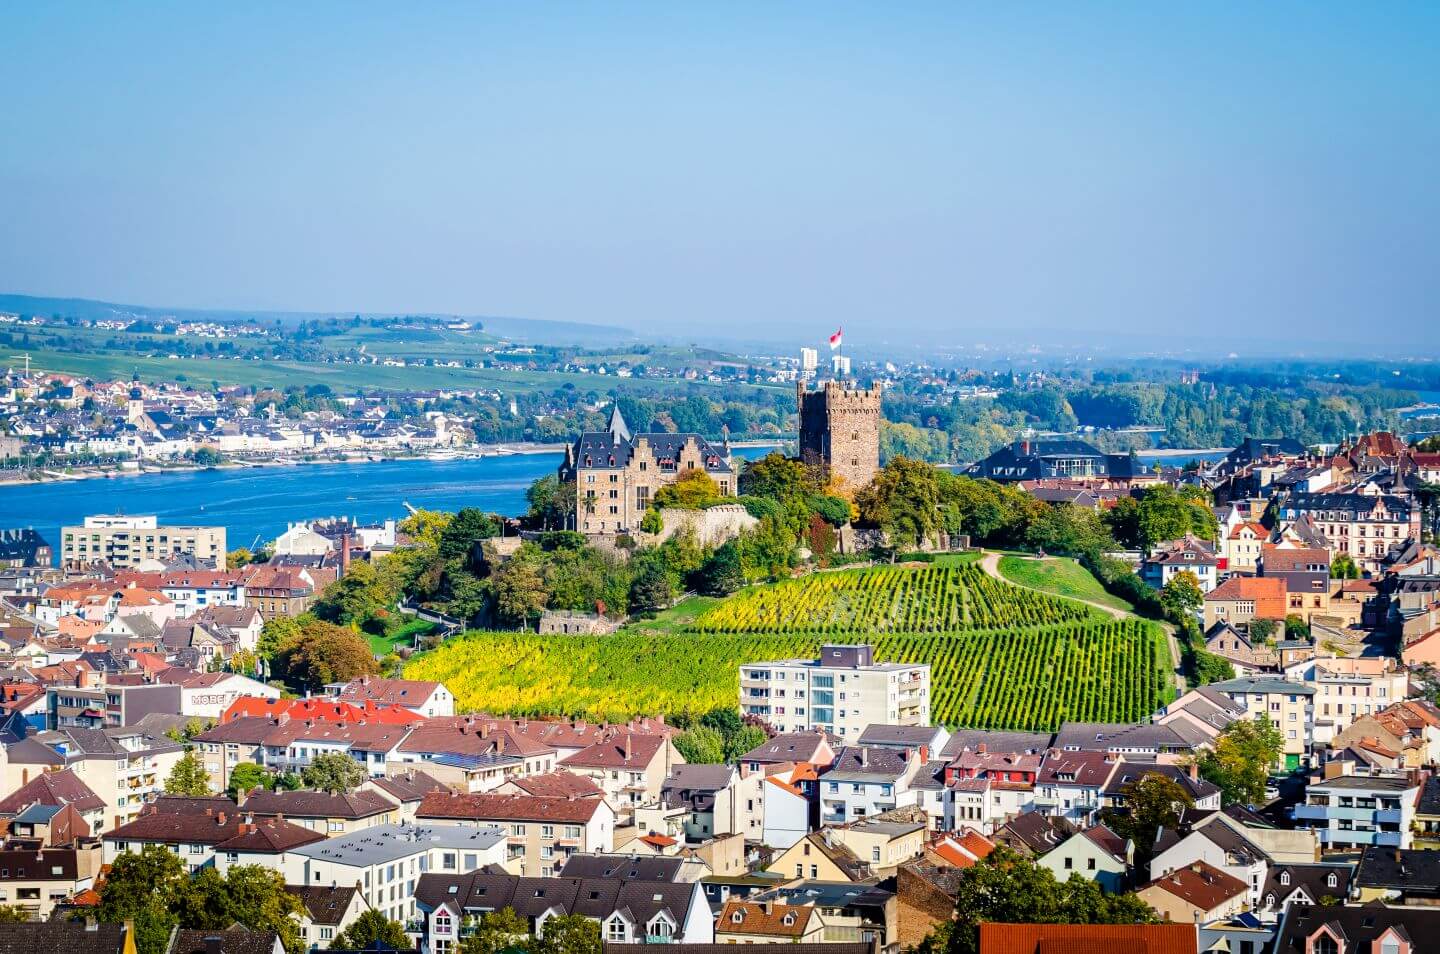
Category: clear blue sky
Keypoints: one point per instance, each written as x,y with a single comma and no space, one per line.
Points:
932,171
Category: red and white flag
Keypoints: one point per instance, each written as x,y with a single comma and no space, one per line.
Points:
835,339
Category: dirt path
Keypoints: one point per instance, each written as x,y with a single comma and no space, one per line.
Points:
990,563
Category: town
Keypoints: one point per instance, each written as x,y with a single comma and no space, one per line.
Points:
835,724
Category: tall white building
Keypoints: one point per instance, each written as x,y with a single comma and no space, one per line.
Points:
809,362
842,692
840,366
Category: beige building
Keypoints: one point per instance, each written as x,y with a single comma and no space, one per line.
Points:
842,692
1241,547
617,474
629,768
125,542
1197,894
34,881
541,831
881,844
1288,705
1347,689
768,922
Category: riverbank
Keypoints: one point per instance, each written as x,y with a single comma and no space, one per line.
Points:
50,475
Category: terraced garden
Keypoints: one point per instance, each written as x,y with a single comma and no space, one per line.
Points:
1001,656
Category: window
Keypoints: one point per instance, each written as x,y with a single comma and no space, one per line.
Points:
1089,864
615,930
875,853
1324,944
326,933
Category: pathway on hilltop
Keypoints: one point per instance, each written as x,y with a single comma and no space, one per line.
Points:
990,563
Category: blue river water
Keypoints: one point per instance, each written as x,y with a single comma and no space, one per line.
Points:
256,504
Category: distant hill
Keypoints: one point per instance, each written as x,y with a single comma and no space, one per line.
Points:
526,329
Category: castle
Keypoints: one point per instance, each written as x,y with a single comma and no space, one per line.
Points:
840,431
616,473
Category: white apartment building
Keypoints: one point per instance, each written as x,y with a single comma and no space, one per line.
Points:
124,542
842,692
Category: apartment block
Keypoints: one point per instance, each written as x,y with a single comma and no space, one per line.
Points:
842,692
125,542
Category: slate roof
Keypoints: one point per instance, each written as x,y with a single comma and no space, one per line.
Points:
233,940
995,741
1360,926
313,804
1130,772
593,897
323,905
72,937
1314,879
627,867
1035,831
786,747
1411,871
913,736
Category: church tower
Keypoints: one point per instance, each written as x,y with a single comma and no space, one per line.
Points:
840,431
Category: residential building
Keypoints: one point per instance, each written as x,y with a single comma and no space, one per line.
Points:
1305,885
387,862
764,922
842,692
1188,554
73,937
1241,599
541,831
1366,929
329,813
125,767
1365,526
787,750
1288,705
1196,894
23,547
422,697
820,856
630,768
1349,811
1096,853
1306,572
1222,846
1347,689
863,782
1240,547
125,542
34,880
326,912
1062,459
629,912
720,799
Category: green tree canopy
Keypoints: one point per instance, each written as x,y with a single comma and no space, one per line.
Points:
188,777
369,928
321,653
692,490
701,745
333,772
1241,761
246,777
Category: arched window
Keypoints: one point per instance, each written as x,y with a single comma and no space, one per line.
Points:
1324,944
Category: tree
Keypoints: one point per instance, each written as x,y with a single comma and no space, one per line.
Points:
424,526
1210,668
323,653
277,630
1007,887
1343,568
744,739
571,934
188,777
252,896
142,887
519,587
1296,627
357,598
13,914
701,745
496,932
651,522
723,573
777,477
820,537
651,589
333,772
1182,596
552,503
1241,760
692,490
369,928
1066,528
1262,630
246,777
903,500
468,527
1152,802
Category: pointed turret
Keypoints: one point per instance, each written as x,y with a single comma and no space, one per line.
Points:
619,430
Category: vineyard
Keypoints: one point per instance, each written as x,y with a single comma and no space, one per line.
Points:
929,599
1000,656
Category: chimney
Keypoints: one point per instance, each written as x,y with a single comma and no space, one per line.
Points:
345,551
980,749
1194,771
625,748
864,757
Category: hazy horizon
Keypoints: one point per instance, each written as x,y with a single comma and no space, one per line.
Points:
739,171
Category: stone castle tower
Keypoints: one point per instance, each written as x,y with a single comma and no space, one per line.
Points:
840,430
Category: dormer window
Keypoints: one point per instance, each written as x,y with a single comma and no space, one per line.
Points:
789,919
737,917
1331,880
1285,878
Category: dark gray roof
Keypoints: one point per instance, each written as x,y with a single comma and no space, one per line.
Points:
1282,880
866,764
233,940
323,905
627,867
72,937
897,736
1414,872
530,897
1360,926
1130,772
1019,743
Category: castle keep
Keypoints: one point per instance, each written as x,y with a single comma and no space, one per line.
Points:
840,430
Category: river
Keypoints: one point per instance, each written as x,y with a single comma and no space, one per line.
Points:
257,503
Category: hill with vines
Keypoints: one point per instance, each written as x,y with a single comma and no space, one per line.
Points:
1001,656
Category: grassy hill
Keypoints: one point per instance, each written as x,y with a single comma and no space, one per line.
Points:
1001,656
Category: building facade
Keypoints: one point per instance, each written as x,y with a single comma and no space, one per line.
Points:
617,474
124,542
843,692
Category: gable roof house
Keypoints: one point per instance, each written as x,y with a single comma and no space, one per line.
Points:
630,768
1096,853
1196,894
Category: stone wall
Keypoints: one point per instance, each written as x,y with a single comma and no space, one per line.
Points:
840,430
712,526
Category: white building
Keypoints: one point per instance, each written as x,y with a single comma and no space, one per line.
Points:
842,692
387,860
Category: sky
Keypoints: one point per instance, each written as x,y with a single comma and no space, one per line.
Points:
913,172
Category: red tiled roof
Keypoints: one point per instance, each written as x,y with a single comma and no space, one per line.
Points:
628,751
1200,884
997,938
482,806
